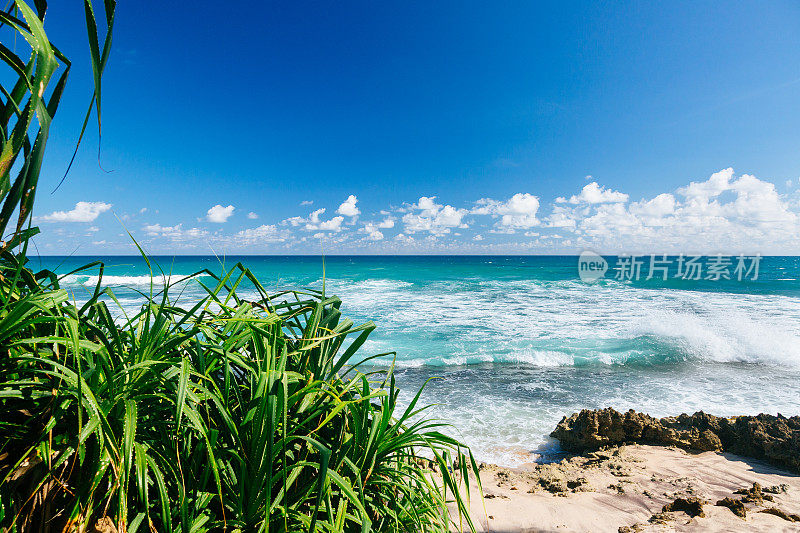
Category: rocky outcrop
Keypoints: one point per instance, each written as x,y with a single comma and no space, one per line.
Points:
781,514
736,506
772,438
692,506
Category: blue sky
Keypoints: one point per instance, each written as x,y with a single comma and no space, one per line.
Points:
457,127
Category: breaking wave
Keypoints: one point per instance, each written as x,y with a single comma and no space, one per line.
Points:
125,281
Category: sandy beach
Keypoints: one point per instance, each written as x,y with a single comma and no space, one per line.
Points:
626,488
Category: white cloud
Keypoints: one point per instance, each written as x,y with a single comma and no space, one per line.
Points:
722,213
701,192
595,194
261,234
334,224
174,232
432,217
348,207
314,223
293,221
83,212
561,217
219,214
387,223
756,202
660,206
518,212
252,216
306,202
373,233
313,218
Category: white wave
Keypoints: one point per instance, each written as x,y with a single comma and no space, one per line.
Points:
568,323
730,328
474,320
544,358
157,281
369,285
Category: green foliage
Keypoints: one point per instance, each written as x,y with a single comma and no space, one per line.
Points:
31,96
233,414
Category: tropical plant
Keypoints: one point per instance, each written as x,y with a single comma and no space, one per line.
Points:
31,95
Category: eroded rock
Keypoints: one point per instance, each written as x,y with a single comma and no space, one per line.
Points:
772,438
753,495
781,513
736,506
692,506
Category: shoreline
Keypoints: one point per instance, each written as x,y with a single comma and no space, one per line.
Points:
625,489
622,479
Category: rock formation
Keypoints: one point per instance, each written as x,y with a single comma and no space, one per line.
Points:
775,439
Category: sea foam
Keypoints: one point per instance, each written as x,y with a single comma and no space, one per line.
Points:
157,281
565,323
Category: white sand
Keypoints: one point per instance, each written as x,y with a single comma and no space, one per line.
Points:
626,486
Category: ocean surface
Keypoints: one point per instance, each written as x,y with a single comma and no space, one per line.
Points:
519,342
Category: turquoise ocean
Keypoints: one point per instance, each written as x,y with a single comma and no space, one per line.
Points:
519,342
